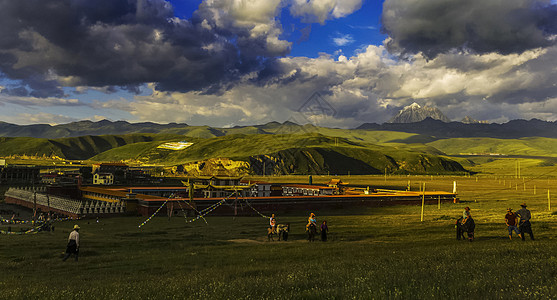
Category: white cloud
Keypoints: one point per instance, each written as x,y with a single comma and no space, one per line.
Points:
251,20
34,101
38,118
370,87
343,40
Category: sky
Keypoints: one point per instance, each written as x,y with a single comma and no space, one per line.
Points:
223,63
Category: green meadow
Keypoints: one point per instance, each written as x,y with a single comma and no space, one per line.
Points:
372,253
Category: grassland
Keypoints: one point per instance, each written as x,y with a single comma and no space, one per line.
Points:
373,253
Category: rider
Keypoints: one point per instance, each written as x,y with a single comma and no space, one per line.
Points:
273,223
312,220
466,214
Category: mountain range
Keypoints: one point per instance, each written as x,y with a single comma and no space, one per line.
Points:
428,127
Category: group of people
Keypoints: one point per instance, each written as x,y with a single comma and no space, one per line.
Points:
312,221
524,226
518,222
520,227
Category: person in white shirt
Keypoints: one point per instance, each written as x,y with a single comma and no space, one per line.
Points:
73,244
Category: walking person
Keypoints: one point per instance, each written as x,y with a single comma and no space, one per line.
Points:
73,243
511,221
324,231
524,225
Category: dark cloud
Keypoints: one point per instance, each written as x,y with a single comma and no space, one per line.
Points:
19,91
48,44
438,26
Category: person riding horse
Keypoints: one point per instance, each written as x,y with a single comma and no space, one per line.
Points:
311,227
465,224
312,220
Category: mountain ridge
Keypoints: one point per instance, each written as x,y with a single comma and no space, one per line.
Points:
513,129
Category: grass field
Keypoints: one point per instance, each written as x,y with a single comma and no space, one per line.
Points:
372,253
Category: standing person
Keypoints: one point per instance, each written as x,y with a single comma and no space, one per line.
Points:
524,225
324,231
73,243
511,221
273,223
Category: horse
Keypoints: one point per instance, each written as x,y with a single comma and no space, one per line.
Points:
312,232
467,227
282,231
270,232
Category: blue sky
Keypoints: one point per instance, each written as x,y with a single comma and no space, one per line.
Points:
243,62
360,29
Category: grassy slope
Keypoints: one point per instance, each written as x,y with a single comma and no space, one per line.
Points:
28,146
534,146
75,148
310,153
373,253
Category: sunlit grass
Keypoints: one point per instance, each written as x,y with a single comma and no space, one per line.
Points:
371,253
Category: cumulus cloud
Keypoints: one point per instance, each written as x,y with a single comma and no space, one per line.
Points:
49,44
438,26
228,64
370,87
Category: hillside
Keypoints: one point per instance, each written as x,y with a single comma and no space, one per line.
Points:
289,148
523,146
78,148
292,154
426,129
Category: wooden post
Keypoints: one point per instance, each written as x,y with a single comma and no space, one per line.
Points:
524,185
548,201
439,202
190,191
423,203
34,206
534,189
385,174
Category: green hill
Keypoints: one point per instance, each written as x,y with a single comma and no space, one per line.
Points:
535,146
310,153
78,148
